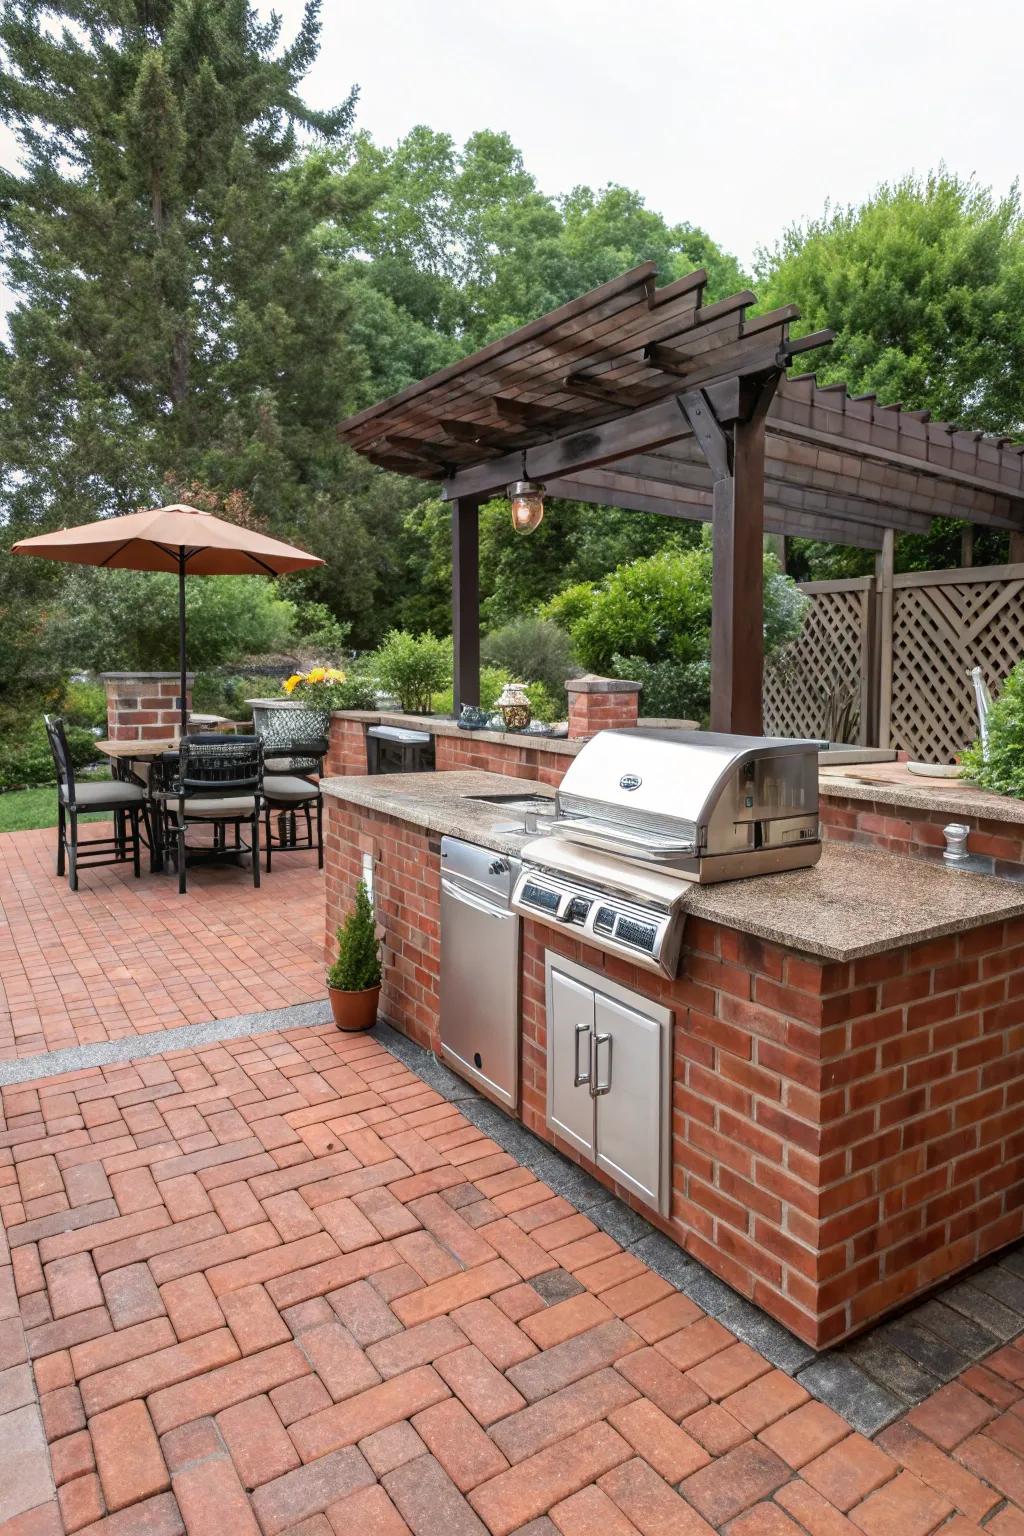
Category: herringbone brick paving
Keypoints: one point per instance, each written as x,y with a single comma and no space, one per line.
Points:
280,1286
127,957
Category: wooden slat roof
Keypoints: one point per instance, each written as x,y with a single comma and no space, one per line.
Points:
835,461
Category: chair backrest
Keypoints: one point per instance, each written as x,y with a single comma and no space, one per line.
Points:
214,765
306,755
61,756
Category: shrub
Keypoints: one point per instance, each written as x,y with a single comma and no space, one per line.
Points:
25,757
414,667
532,649
570,604
1001,768
358,964
85,704
651,620
319,632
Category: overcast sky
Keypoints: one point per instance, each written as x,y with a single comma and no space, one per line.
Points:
740,117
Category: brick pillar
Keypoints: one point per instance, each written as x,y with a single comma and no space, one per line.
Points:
144,706
601,704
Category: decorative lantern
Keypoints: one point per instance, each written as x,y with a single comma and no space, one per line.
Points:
527,502
514,705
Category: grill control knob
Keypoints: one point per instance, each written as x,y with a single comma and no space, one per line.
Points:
498,867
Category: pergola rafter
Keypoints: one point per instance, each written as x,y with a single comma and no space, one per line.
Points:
645,398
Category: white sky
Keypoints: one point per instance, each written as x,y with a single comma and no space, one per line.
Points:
740,117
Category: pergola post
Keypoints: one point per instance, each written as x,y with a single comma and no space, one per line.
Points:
466,601
734,450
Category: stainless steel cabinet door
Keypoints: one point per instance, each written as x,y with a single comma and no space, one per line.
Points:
480,992
628,1062
570,1030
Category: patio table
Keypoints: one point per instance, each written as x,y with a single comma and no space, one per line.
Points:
122,755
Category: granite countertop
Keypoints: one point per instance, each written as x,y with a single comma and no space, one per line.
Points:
894,784
442,802
856,901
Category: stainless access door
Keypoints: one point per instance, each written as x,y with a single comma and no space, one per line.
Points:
630,1077
480,968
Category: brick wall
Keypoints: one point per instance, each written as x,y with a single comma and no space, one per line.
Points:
996,847
512,758
407,900
347,746
601,704
144,706
844,1136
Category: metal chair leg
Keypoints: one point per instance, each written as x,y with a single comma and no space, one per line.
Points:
256,849
73,851
181,858
62,833
136,848
269,836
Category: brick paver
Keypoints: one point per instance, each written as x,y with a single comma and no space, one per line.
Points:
278,1287
127,957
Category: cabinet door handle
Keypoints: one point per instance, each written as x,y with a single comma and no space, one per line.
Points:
597,1087
579,1078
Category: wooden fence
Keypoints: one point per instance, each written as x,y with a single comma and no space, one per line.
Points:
904,648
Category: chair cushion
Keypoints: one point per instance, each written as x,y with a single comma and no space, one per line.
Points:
288,786
277,764
226,808
112,796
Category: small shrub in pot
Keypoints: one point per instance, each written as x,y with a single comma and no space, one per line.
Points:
353,981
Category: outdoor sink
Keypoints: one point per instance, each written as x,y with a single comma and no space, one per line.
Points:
525,802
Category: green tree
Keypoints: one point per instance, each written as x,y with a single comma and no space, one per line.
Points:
924,286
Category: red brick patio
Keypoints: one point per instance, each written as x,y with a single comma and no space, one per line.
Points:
279,1285
126,956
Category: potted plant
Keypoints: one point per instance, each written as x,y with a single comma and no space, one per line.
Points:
353,981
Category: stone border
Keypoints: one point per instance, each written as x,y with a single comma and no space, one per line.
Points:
104,1053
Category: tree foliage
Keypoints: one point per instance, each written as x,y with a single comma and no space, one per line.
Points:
650,620
924,286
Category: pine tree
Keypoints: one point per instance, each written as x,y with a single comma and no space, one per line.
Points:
160,239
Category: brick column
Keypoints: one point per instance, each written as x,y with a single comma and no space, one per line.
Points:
601,704
144,706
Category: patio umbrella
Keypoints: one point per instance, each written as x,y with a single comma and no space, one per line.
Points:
180,539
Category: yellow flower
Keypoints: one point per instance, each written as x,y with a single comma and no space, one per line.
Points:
317,675
334,675
290,685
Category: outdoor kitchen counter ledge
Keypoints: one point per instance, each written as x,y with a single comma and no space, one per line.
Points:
856,901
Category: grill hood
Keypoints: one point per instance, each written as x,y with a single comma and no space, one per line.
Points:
677,797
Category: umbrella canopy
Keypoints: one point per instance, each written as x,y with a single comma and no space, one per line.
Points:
179,539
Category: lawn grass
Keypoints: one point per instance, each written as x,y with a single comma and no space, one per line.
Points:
21,810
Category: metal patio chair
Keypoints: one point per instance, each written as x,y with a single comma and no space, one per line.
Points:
126,801
291,790
218,782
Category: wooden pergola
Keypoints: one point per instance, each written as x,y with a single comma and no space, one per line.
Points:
646,398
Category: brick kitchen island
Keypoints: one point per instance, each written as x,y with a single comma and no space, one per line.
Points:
847,1049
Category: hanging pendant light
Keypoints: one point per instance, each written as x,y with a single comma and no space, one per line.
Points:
526,498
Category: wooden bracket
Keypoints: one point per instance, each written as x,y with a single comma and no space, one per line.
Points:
713,440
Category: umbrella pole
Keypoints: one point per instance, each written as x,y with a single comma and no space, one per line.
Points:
181,638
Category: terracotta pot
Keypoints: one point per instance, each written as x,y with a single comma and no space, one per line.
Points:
354,1010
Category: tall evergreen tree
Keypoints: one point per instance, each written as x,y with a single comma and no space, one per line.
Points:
158,239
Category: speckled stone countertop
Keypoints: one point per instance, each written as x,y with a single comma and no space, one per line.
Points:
443,802
855,901
894,784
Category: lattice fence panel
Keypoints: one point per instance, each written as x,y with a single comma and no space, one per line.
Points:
799,679
939,633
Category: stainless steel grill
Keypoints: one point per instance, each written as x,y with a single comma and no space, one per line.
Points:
642,814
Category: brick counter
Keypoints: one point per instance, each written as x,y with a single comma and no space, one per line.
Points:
996,847
845,1135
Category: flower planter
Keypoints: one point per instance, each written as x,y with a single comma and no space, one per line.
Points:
354,1010
287,720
